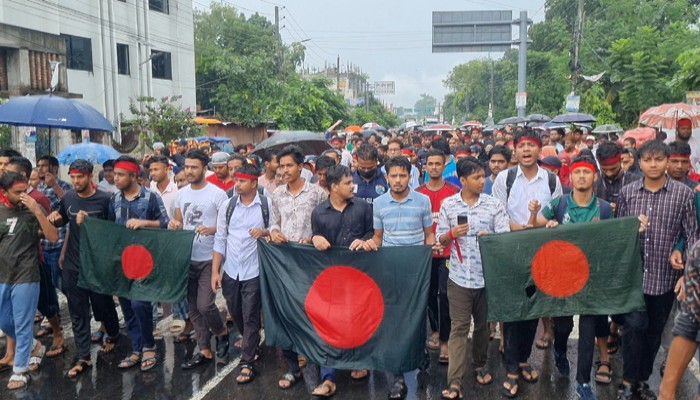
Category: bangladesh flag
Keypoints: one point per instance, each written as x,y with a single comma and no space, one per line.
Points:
347,309
142,264
592,268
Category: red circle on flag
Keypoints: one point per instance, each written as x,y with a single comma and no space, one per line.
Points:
560,268
137,262
345,306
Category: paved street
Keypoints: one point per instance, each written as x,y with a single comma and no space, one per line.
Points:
213,382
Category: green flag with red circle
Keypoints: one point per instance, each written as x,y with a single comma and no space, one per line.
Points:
142,264
592,268
347,309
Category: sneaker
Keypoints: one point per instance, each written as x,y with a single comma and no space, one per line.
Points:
562,363
644,393
584,391
626,391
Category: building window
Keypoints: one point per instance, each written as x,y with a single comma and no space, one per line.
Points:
78,53
159,5
161,64
123,59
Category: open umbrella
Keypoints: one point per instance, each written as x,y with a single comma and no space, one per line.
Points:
366,133
640,135
538,118
512,121
472,123
369,125
607,128
353,128
96,153
52,112
439,127
666,115
310,143
570,118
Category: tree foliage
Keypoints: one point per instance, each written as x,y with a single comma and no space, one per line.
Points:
161,120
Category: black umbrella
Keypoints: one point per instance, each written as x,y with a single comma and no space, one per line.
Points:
570,118
309,142
538,118
368,132
512,121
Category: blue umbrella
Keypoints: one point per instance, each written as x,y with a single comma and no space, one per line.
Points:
52,112
93,152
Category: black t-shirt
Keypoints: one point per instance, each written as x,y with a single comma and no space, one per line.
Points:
19,245
96,206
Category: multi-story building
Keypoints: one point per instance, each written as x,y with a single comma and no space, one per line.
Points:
110,51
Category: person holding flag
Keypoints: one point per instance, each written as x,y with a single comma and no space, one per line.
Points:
581,205
196,208
402,217
136,207
19,271
462,217
515,188
77,204
671,214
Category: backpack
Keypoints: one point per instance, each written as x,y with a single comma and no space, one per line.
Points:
560,211
263,206
512,172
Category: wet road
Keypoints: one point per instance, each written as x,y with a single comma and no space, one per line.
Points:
212,382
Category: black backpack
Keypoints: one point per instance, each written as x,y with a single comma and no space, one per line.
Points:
512,172
560,211
263,206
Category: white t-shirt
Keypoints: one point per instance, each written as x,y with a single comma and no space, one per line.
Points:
200,207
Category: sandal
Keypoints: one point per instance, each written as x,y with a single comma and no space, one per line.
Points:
532,375
486,377
444,359
130,361
614,343
602,376
398,390
148,362
35,359
359,374
197,360
18,381
245,376
328,388
452,393
290,378
512,385
44,331
109,343
222,344
82,364
543,343
55,351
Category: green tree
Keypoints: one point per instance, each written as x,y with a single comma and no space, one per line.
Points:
688,75
161,120
426,106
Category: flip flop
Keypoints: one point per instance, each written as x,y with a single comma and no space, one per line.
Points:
56,351
291,378
83,364
359,374
483,374
433,344
44,331
330,390
453,390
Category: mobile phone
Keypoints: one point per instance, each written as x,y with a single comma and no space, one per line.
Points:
462,219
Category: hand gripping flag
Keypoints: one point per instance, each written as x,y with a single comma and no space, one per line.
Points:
592,268
142,264
347,309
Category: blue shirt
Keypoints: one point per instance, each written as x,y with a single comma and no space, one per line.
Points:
449,173
368,191
488,185
403,222
147,206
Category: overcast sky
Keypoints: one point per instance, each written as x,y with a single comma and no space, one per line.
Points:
390,40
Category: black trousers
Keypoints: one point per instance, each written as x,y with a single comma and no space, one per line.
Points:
79,301
642,336
243,303
519,337
438,305
589,327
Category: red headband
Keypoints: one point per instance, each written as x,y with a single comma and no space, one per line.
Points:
127,165
462,153
583,164
245,176
79,171
407,152
607,162
684,122
529,139
683,156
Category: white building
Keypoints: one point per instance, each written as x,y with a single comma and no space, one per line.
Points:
110,50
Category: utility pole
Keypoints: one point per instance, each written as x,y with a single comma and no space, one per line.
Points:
277,20
337,75
578,35
522,57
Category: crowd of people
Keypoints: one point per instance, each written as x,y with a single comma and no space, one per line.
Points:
364,192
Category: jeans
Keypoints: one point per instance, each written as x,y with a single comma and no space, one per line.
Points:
519,336
139,323
642,336
51,258
17,308
48,299
181,310
589,327
327,374
438,304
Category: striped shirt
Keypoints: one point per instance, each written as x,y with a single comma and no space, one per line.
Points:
487,214
671,212
403,222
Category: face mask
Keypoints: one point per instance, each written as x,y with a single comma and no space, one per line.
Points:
367,174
